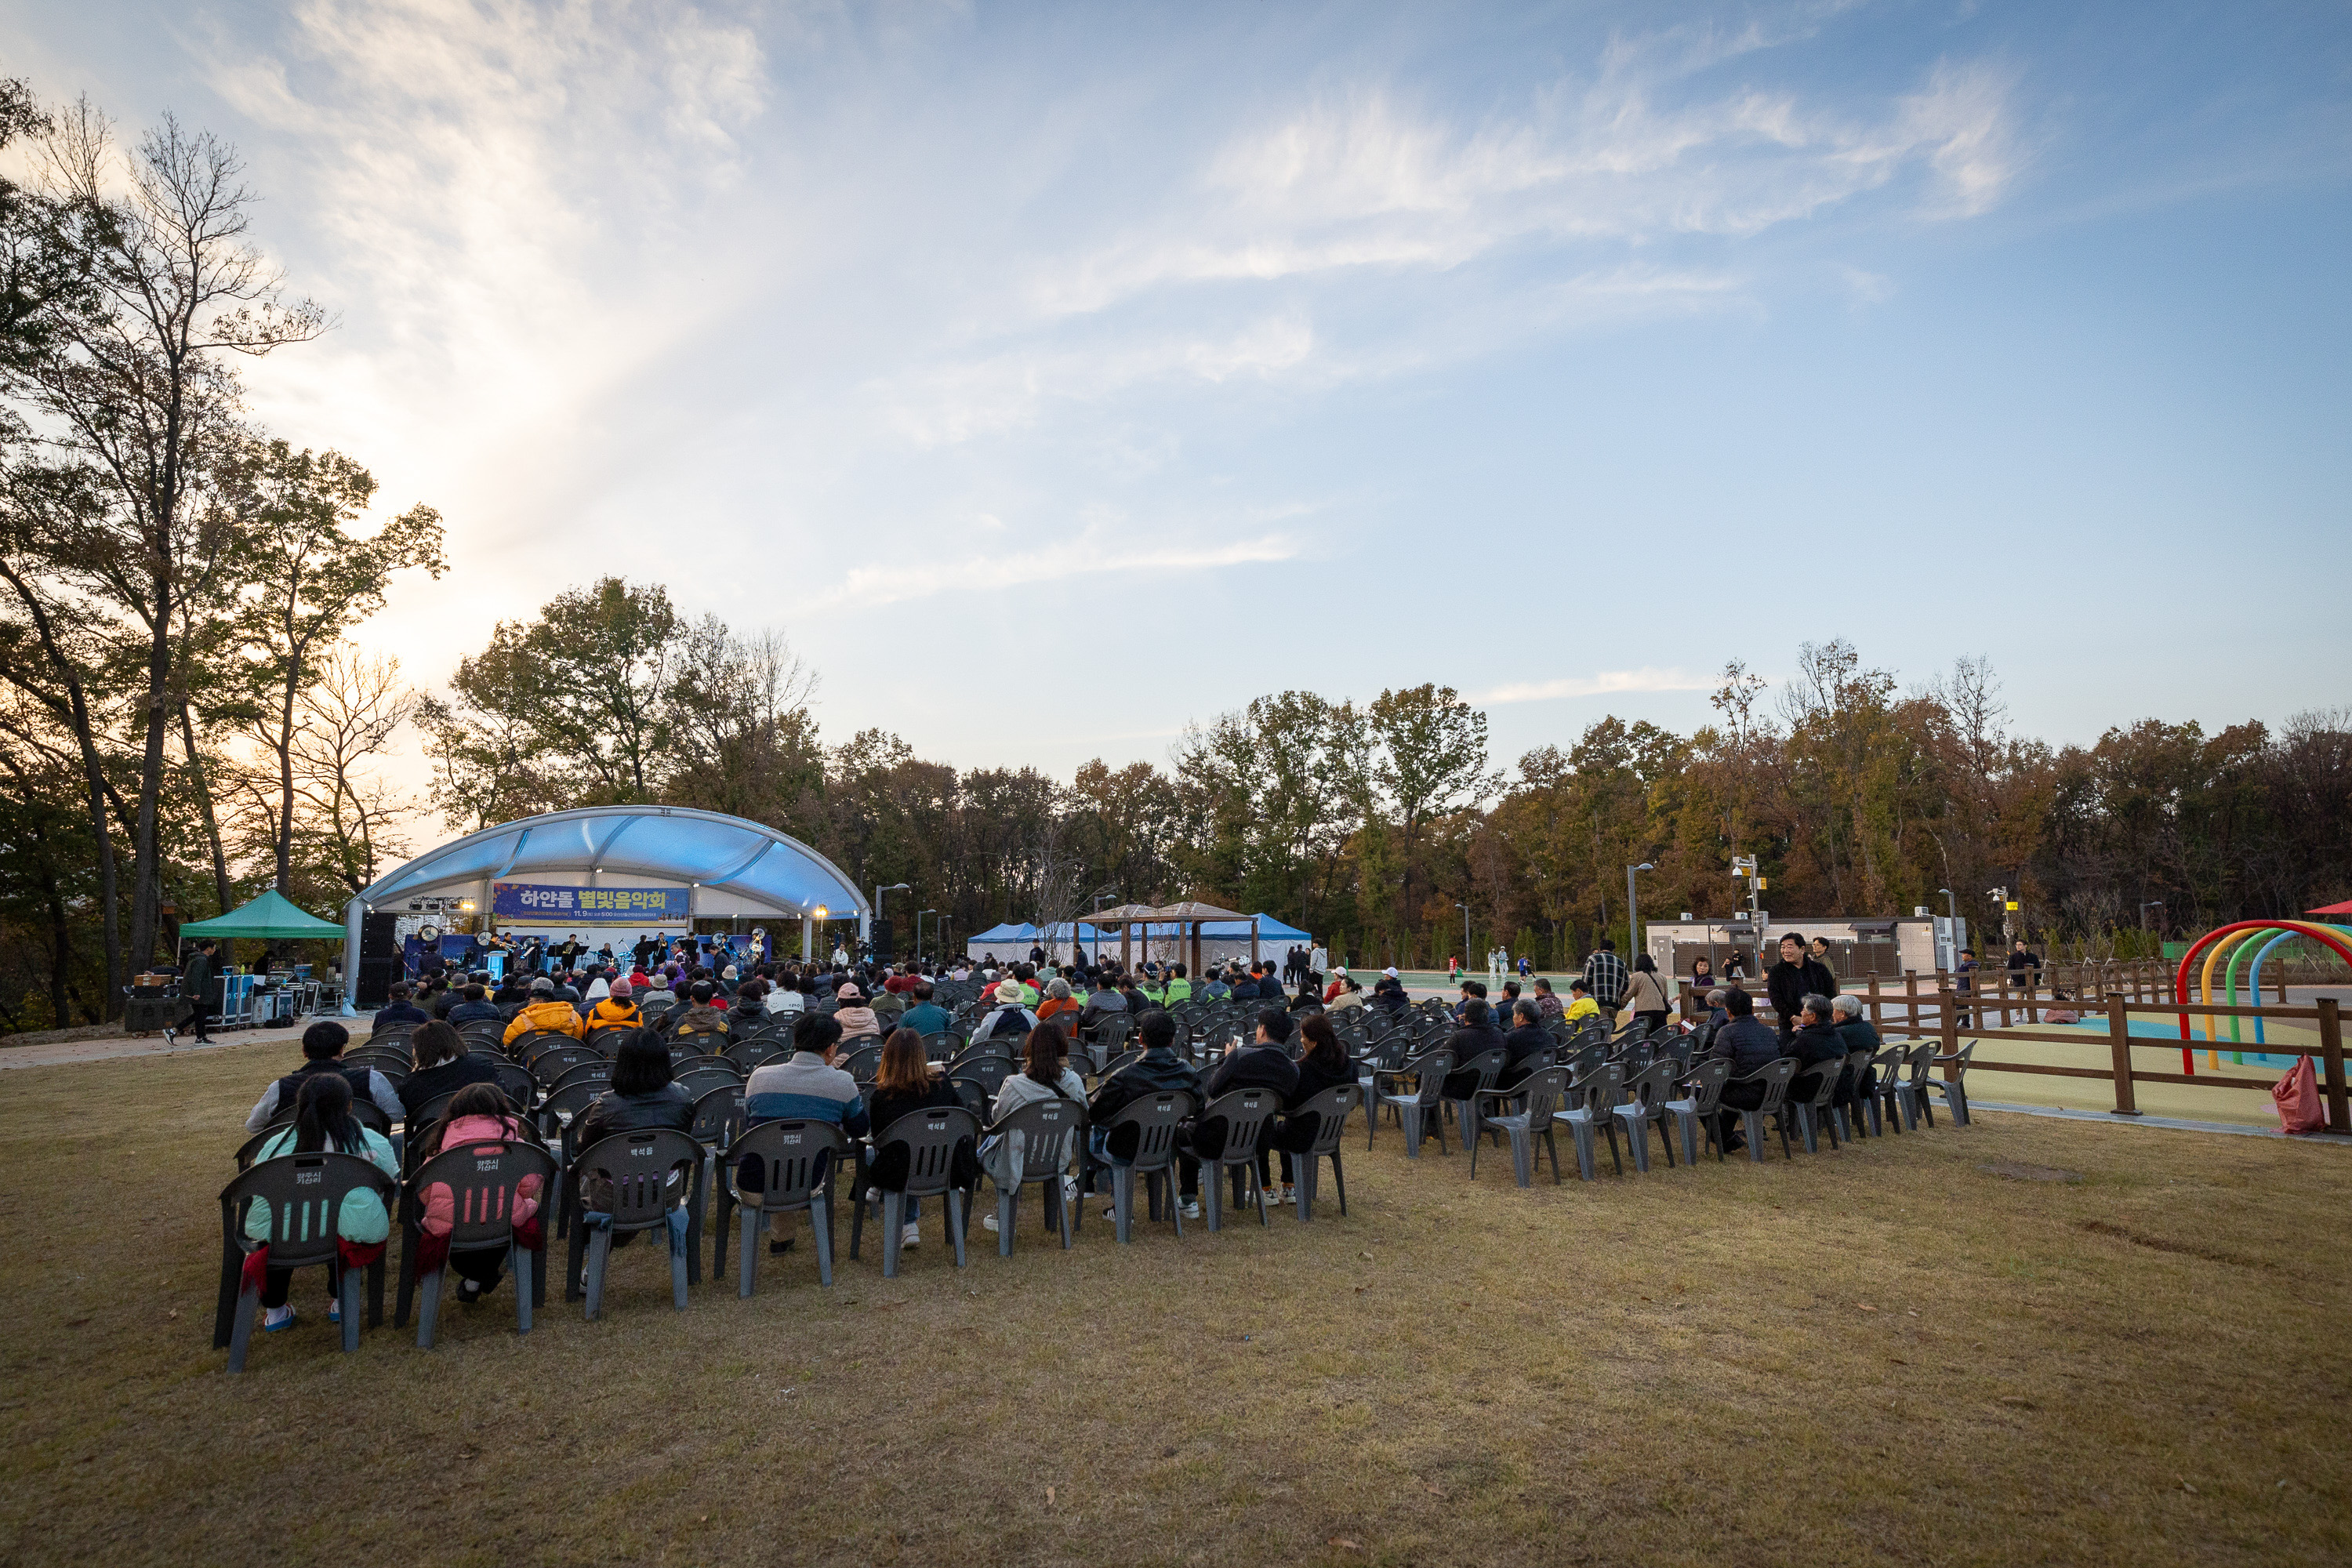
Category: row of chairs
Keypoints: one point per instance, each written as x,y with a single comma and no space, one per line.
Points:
657,1181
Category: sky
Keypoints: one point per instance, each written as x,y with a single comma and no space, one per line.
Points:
1054,376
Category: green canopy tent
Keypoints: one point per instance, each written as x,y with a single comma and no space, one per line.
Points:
272,915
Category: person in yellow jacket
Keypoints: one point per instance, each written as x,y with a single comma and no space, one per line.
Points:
544,1012
615,1010
1179,988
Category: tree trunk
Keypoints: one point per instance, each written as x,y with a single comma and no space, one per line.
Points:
145,883
286,774
61,949
204,805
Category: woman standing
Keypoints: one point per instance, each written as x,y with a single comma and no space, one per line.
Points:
1645,996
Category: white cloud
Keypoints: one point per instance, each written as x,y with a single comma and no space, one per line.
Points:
1034,559
1601,685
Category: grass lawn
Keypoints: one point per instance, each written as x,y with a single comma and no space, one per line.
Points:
1883,1354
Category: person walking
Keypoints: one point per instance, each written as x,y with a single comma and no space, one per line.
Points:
196,986
1604,977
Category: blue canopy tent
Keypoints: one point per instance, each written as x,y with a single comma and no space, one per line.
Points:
618,867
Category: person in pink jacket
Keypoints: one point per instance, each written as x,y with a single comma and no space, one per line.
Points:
478,1114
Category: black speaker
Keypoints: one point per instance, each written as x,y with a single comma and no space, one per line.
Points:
882,943
378,938
376,975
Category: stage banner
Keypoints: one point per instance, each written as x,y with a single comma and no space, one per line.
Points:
590,906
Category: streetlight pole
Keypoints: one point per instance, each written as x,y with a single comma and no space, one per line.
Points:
1101,894
1633,914
1466,932
918,932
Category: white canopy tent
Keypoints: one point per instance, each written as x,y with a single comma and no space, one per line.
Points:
621,866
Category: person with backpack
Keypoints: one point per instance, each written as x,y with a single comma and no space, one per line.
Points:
478,1115
323,1122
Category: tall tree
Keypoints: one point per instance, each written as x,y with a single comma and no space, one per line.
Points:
307,579
137,388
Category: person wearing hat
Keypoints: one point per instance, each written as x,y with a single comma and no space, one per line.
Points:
853,1016
616,1010
545,1011
322,1051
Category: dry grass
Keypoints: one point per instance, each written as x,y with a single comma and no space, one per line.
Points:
1883,1353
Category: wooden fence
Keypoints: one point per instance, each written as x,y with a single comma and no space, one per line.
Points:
1935,1006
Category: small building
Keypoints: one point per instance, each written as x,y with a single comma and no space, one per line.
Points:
1859,945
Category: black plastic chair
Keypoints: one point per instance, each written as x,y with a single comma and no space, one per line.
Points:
305,1194
695,1082
1156,1118
527,1045
796,1162
1248,1115
1536,1096
548,1067
485,1182
862,1065
931,1136
646,1175
598,1071
1428,1072
1035,1145
1330,1108
748,1055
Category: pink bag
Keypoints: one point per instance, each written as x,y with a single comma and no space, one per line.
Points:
2297,1095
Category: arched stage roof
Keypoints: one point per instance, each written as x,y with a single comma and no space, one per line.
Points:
727,853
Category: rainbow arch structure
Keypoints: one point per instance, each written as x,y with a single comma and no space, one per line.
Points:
2217,942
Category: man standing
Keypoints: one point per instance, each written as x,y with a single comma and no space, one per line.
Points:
1604,977
2024,972
1794,978
1318,960
1964,981
196,986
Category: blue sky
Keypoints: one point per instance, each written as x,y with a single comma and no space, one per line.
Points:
1056,375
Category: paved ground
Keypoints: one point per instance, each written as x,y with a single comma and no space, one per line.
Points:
111,1047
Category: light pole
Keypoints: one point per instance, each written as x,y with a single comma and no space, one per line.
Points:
822,914
1101,894
1466,932
1633,912
918,932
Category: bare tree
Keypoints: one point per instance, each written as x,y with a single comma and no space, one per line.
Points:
349,715
135,390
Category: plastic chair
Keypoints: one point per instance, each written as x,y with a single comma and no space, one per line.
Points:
1953,1089
1644,1106
305,1194
1592,1099
695,1082
528,1046
1155,1117
1908,1090
1537,1096
750,1055
1331,1110
1428,1071
1038,1141
797,1160
1887,1068
485,1182
930,1138
548,1067
519,1087
1247,1114
990,1072
1774,1076
1702,1087
653,1173
943,1046
597,1071
862,1065
1488,1066
1812,1108
606,1038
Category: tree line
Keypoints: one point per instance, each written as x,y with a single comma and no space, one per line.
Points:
1378,825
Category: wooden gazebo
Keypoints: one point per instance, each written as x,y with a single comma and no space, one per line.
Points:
1193,914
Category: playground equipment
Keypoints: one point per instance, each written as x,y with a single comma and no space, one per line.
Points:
2214,944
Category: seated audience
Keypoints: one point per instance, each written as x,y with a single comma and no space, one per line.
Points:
322,1050
323,1121
480,1115
399,1010
1156,1071
444,1065
906,1082
546,1012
